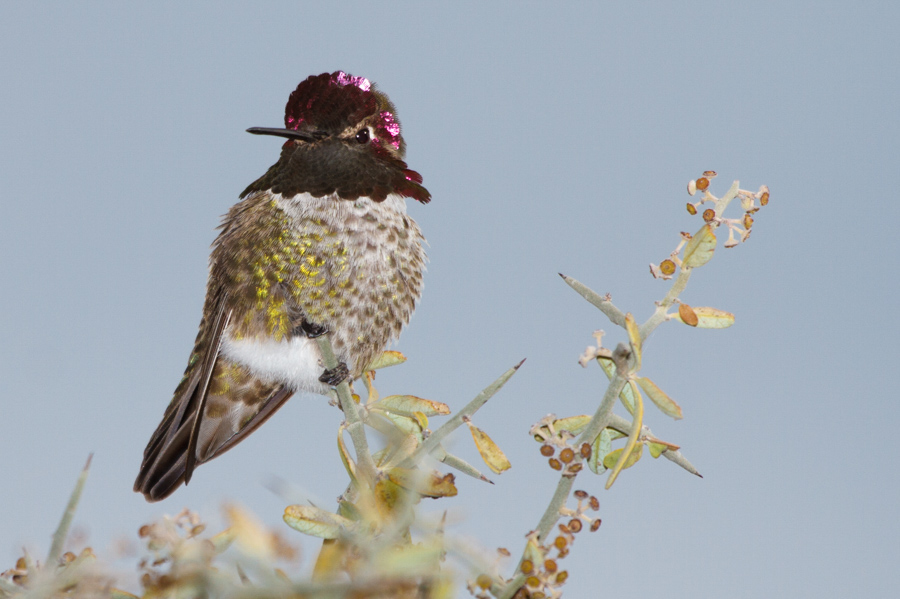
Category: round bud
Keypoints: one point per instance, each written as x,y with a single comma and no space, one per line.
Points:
575,525
702,183
547,450
560,543
579,494
550,566
562,577
595,525
554,463
764,198
709,214
527,566
483,581
567,455
692,210
585,450
667,267
594,503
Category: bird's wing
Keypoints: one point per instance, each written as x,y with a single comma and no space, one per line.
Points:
217,404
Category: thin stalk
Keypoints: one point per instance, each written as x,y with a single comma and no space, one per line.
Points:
351,413
434,439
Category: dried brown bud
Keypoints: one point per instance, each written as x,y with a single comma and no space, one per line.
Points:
527,566
585,450
764,198
533,581
560,543
144,531
709,174
692,210
748,221
503,551
562,577
573,468
483,581
702,183
595,525
667,267
567,455
709,214
595,503
580,494
554,463
575,525
550,566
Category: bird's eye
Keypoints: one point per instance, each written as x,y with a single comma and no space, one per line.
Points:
362,136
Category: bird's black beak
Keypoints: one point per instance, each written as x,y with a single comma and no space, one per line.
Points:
288,133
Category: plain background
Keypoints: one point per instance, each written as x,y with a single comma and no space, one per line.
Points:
553,138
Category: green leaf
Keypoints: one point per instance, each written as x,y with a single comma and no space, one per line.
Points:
627,395
387,358
408,405
657,449
314,521
599,449
658,397
710,318
699,250
612,457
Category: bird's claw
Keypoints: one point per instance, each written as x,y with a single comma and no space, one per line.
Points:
335,376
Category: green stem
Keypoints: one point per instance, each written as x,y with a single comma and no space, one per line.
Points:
351,413
62,531
434,439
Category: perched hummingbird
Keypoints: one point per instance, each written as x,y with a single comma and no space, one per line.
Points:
320,244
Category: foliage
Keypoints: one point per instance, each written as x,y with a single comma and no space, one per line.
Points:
369,548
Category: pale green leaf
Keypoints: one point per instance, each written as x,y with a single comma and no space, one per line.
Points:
711,318
408,405
658,397
599,448
387,358
657,449
314,521
699,250
627,395
612,457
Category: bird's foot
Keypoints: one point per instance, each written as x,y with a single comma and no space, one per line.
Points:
335,376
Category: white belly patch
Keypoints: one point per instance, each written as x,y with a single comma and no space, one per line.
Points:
295,362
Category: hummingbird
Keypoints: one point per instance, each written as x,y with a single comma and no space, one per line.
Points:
321,244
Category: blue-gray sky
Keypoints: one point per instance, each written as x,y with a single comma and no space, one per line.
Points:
552,138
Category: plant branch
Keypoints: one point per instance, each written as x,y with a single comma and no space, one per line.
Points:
351,413
434,439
